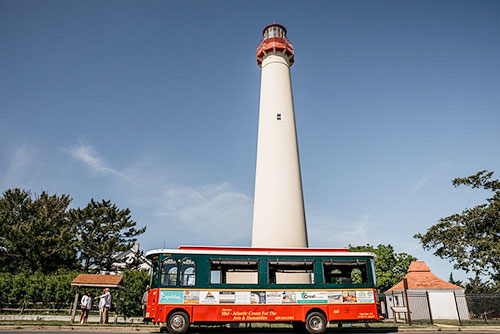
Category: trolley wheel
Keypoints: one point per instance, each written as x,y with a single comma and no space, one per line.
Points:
315,323
178,322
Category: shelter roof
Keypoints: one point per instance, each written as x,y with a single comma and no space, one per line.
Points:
420,277
99,281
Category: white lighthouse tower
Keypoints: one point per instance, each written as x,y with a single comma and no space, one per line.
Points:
278,215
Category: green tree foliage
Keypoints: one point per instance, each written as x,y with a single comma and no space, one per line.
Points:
471,239
39,234
35,233
135,283
52,290
55,291
102,230
456,282
390,267
40,240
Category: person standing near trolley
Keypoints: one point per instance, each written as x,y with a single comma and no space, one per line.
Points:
104,306
86,305
144,301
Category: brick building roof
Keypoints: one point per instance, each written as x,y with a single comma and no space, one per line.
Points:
420,277
99,281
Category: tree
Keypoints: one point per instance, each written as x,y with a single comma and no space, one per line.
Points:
136,281
390,267
54,290
471,239
456,282
102,230
35,234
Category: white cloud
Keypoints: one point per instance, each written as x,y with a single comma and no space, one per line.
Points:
213,213
428,177
91,158
327,231
421,183
19,163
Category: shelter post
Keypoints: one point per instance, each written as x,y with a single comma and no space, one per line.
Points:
393,304
458,310
405,288
74,304
429,306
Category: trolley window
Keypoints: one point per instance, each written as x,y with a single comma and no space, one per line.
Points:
291,271
188,272
345,271
234,271
168,275
154,274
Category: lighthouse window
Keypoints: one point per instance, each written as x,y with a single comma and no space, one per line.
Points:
278,117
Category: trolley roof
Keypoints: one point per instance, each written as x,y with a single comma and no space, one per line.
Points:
248,251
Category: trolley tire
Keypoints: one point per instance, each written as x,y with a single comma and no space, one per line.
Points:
178,322
315,323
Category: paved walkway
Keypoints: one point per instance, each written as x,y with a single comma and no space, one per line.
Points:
91,318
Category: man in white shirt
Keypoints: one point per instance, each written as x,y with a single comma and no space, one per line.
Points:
104,306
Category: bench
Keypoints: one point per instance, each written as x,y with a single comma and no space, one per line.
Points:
398,310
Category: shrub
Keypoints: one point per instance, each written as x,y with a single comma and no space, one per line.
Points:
55,290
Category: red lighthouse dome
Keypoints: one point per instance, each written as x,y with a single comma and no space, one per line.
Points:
274,40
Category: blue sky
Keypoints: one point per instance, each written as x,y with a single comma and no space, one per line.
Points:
154,105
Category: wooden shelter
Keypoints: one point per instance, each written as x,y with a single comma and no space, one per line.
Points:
97,281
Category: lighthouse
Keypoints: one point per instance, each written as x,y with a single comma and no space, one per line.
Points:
278,215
